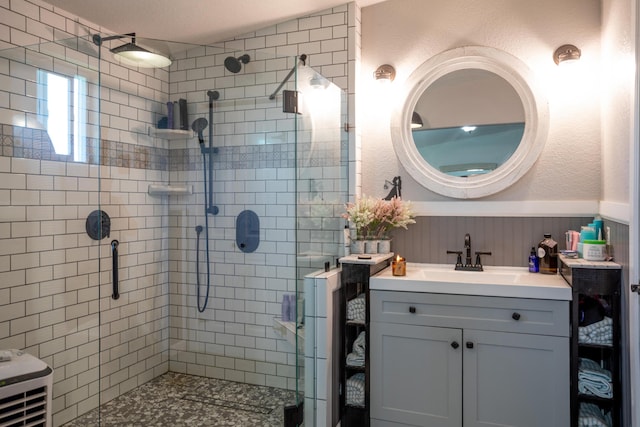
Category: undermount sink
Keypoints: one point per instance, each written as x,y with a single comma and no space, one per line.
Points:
515,282
507,276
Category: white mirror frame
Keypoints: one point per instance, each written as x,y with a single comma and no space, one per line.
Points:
536,128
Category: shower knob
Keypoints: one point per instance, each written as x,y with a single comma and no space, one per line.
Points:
98,225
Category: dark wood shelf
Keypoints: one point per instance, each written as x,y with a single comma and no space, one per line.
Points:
604,284
359,323
595,399
595,346
355,282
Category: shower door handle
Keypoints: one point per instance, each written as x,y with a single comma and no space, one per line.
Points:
114,255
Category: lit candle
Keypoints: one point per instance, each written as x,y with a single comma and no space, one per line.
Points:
399,266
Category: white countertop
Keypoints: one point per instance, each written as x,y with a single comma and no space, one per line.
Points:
370,259
511,282
583,263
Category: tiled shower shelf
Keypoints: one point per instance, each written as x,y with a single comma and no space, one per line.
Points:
287,330
170,133
169,190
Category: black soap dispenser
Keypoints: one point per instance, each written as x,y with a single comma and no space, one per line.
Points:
534,265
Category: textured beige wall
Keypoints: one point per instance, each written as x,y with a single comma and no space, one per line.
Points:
618,66
405,33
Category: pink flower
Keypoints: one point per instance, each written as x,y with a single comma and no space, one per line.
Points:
375,217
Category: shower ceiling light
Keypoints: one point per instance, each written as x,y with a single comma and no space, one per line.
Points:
136,55
566,52
132,54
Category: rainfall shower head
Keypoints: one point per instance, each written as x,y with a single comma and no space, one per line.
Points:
198,126
235,64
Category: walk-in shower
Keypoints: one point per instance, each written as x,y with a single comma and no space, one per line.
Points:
242,153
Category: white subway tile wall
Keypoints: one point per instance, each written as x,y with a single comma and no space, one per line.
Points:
320,348
254,169
55,282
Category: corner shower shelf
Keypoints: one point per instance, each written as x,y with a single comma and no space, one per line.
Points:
170,133
288,331
169,190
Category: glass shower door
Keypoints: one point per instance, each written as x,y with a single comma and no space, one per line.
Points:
321,193
50,185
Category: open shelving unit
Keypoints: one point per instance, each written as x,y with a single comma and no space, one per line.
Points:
597,284
355,283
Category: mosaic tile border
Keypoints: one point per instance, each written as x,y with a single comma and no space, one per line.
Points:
29,143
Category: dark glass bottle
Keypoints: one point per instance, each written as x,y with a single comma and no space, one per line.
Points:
548,255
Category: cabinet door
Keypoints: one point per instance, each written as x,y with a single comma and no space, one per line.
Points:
515,380
415,375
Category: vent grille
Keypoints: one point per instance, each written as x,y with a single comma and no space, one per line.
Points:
28,409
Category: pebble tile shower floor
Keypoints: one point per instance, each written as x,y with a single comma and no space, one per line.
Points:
175,399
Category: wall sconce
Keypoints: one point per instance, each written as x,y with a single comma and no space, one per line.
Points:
566,52
416,121
385,72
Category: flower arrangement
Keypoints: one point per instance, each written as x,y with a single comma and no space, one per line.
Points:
374,218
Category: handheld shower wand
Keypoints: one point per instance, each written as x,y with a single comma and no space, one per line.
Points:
198,126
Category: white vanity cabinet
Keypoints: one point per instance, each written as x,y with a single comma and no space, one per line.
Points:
461,360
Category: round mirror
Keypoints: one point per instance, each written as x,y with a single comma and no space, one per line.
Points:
469,122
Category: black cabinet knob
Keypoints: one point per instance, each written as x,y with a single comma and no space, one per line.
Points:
455,345
515,316
412,309
469,344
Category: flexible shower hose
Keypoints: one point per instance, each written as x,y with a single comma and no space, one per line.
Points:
202,307
208,200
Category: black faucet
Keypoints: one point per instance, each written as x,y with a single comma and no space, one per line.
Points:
467,246
468,266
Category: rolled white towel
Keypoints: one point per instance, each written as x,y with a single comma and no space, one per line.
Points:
590,415
354,359
355,390
594,380
356,308
597,333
